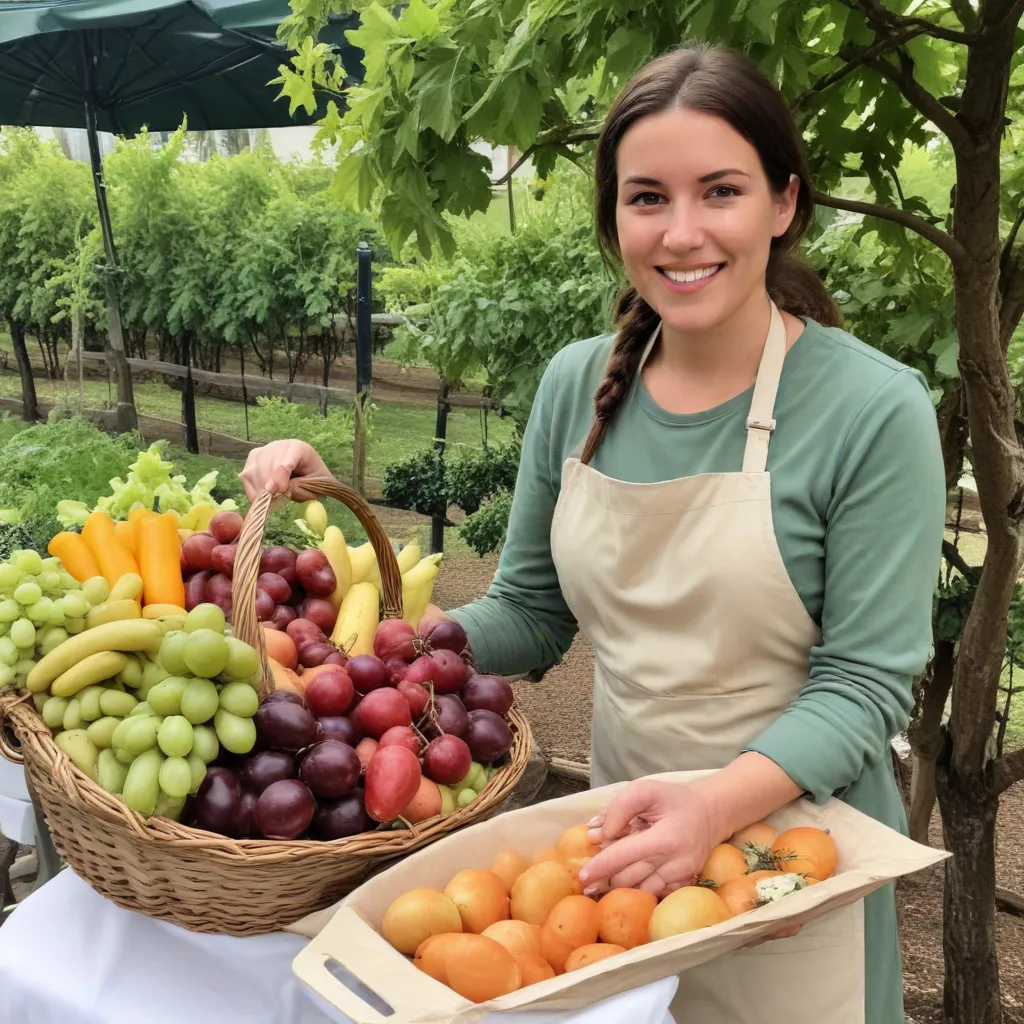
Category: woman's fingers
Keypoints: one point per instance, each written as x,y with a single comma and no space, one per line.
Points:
631,803
620,855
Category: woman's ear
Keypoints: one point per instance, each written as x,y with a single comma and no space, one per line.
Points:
785,206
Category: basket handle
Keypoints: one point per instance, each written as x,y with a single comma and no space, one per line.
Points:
9,751
250,548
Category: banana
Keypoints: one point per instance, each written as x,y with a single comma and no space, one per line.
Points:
334,547
127,588
92,669
156,611
316,517
127,635
408,556
113,611
81,751
364,564
418,588
183,535
357,619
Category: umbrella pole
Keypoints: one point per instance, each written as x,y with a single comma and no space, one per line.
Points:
127,419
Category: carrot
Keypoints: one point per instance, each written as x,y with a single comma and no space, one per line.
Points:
113,557
160,560
126,535
74,555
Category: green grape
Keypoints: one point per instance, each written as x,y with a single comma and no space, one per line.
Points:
200,701
175,736
205,744
205,616
243,662
7,675
240,699
96,590
75,605
56,616
206,653
5,628
23,633
50,582
9,576
10,610
28,562
40,611
68,582
74,625
131,674
27,593
51,563
172,652
8,651
50,639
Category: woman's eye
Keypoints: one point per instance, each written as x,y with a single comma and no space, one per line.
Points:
645,199
723,192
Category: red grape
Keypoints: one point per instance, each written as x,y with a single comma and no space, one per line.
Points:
195,588
380,710
329,692
321,612
394,639
285,726
303,631
278,695
450,717
198,551
315,573
316,653
330,769
392,780
245,823
404,737
265,606
335,658
416,695
488,736
446,635
282,617
396,670
367,672
223,558
218,587
216,804
487,693
260,770
226,526
339,819
280,560
276,586
445,669
447,760
284,810
338,727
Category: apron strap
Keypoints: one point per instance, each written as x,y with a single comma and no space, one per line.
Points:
761,419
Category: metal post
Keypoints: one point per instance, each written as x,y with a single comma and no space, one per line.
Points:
440,443
364,301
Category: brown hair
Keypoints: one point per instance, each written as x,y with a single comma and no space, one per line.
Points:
725,84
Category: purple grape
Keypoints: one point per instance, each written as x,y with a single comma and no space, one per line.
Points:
451,717
218,801
338,727
284,810
487,693
339,819
260,770
488,736
286,726
330,769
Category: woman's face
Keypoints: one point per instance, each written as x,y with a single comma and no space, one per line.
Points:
696,217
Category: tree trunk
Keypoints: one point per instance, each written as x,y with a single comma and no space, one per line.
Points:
29,402
925,734
969,806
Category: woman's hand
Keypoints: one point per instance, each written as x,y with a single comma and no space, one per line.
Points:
655,836
275,466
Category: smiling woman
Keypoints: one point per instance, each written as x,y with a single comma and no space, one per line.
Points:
742,508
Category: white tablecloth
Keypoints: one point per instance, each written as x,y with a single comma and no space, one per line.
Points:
16,819
69,956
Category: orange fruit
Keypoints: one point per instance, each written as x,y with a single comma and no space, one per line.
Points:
518,937
508,865
533,968
481,897
281,647
625,917
739,895
805,851
755,843
554,949
686,910
576,919
538,889
484,969
416,915
591,954
433,954
573,843
724,863
548,853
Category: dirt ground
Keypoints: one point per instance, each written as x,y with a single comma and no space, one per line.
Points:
559,710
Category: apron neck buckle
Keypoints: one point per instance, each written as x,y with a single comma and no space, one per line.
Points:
760,423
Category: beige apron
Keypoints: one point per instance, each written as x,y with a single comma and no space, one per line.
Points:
701,642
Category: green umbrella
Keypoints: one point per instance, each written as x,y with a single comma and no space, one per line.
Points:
119,65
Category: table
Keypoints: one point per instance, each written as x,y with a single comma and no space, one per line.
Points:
70,956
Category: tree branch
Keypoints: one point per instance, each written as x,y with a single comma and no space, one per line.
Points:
883,20
963,10
1011,301
1007,770
1005,257
955,559
549,138
947,243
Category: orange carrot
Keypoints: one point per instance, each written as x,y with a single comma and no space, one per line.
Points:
74,555
160,560
113,557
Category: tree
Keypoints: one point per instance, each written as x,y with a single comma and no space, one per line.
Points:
864,80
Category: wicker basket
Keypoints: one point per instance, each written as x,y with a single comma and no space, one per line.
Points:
203,881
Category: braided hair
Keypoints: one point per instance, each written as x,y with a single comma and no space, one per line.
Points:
727,85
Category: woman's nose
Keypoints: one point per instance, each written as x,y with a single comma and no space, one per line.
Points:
684,230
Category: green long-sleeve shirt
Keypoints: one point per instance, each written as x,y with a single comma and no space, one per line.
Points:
858,500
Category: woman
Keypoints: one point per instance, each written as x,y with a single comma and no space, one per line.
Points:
741,506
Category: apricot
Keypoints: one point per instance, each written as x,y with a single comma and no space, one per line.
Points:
281,647
538,889
591,954
574,843
484,969
548,853
518,937
805,851
686,910
724,863
572,922
533,969
755,843
416,915
554,949
508,865
284,678
433,954
481,897
626,917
